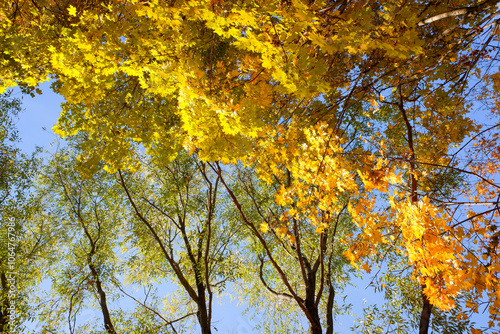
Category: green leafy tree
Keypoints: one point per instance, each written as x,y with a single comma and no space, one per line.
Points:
184,229
24,236
298,269
89,214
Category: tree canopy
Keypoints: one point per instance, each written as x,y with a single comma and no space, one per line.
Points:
341,135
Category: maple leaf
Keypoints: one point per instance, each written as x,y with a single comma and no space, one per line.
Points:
264,227
72,10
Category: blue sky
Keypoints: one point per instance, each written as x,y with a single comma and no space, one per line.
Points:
40,112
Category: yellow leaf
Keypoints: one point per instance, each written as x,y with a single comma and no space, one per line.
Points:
72,10
281,231
264,227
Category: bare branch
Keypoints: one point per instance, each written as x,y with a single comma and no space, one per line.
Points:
168,322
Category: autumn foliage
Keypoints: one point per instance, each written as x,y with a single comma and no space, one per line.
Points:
382,111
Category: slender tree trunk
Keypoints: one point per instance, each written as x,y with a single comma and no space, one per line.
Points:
4,312
425,316
311,307
108,324
203,319
202,313
329,307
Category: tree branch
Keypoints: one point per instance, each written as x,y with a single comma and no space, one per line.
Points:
283,296
468,11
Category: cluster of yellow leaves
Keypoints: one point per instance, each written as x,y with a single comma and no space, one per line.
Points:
314,174
435,255
448,260
364,246
156,46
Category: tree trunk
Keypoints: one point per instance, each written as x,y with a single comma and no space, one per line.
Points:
108,324
202,313
203,320
4,312
315,325
329,307
312,311
425,316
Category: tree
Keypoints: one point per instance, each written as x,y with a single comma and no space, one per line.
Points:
308,267
24,236
183,227
88,214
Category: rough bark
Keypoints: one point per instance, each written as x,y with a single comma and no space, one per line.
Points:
310,301
314,321
202,314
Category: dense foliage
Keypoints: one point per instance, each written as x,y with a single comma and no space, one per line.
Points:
304,139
